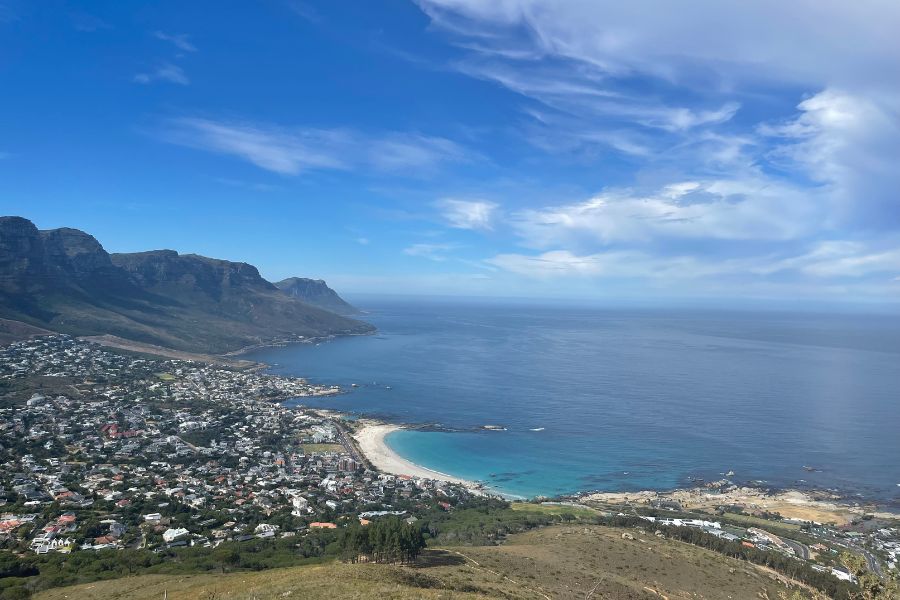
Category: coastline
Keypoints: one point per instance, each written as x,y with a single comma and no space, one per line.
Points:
802,505
815,506
370,437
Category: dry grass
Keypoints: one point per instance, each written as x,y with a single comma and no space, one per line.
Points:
563,562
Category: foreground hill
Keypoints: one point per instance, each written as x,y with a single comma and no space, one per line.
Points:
317,293
561,562
63,280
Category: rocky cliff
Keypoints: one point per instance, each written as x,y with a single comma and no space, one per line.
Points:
63,280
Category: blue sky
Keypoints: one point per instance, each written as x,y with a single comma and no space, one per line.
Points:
653,150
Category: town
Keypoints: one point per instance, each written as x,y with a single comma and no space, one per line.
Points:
102,450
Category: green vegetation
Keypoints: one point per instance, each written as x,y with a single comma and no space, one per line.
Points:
554,509
568,562
22,576
751,521
477,547
870,586
384,540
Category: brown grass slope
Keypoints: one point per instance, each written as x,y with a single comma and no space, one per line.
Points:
563,562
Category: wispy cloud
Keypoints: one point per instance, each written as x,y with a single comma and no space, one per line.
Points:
166,72
435,252
834,260
179,40
686,42
751,208
665,91
467,214
254,186
840,258
292,150
304,11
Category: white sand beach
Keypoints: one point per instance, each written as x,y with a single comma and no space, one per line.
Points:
370,438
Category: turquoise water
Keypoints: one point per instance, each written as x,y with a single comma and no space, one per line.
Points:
624,399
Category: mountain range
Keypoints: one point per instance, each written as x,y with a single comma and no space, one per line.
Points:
63,280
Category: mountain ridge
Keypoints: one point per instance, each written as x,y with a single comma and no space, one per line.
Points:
64,280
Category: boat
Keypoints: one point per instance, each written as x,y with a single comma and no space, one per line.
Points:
537,429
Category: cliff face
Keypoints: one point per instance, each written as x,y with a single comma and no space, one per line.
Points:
63,280
22,264
317,293
34,261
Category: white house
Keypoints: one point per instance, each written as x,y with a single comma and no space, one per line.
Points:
170,535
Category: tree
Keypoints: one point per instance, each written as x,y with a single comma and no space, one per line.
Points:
871,587
385,540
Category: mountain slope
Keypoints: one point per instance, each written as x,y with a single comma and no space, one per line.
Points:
316,293
64,280
555,562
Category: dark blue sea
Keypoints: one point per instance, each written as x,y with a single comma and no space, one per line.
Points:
624,399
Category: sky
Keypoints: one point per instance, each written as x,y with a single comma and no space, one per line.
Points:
609,151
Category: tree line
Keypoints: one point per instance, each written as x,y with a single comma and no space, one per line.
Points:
385,540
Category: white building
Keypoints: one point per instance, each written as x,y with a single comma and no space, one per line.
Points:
170,535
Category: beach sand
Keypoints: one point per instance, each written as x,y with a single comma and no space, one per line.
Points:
370,438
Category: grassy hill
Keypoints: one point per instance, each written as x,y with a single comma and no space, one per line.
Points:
559,562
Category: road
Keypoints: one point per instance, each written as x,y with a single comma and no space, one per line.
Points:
872,562
345,440
800,550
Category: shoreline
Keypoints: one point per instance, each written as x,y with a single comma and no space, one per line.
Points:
818,506
370,438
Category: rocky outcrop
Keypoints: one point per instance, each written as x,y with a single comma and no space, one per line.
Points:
317,293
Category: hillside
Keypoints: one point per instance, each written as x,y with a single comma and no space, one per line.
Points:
317,293
63,280
560,562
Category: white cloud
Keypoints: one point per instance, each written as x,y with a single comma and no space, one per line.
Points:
362,241
817,44
290,151
661,81
834,260
840,258
179,40
467,214
165,72
304,11
614,264
583,91
753,208
435,252
852,144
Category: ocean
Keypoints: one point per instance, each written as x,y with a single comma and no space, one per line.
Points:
607,399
